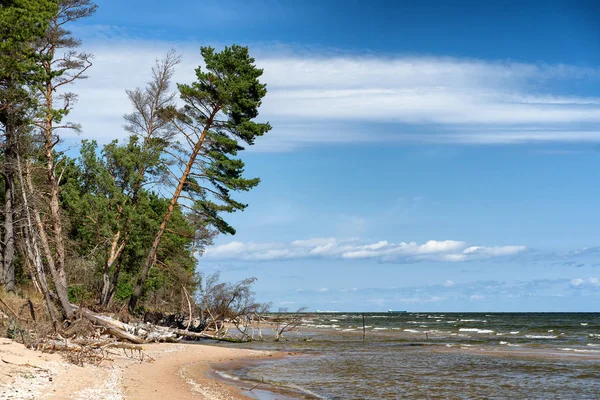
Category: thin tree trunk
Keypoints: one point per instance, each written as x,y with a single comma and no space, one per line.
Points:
32,245
58,277
151,258
8,248
115,252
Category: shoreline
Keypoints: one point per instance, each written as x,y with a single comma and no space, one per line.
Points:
179,371
229,372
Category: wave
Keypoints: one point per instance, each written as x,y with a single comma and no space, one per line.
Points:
579,350
225,375
412,330
476,330
541,336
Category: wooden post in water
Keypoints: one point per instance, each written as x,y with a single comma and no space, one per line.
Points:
363,326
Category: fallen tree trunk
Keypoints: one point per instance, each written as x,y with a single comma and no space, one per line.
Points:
144,333
114,327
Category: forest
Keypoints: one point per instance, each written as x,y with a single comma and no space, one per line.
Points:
119,227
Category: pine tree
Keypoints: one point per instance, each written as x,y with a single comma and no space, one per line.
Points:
219,112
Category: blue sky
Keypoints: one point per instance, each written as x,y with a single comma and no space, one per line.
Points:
425,156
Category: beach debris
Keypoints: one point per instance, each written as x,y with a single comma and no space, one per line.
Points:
286,322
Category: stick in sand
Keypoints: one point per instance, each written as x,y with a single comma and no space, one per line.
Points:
363,326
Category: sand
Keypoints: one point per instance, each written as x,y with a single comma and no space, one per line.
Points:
178,372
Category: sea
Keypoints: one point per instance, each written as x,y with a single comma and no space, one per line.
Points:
430,356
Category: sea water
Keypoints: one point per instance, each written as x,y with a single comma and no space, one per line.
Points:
438,355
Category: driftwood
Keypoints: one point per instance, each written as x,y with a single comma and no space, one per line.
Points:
116,328
138,333
81,351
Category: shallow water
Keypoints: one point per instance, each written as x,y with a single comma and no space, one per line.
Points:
463,356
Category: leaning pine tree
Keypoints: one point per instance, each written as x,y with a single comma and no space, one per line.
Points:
219,112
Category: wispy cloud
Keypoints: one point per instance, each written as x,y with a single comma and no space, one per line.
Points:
585,283
324,98
406,252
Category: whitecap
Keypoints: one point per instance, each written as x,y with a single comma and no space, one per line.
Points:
541,336
514,333
226,375
579,350
476,330
584,324
412,330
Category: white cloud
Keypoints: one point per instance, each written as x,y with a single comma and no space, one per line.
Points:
433,250
448,283
585,283
322,98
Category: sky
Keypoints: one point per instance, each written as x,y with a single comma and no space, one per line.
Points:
424,156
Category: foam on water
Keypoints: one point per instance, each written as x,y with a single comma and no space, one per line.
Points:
225,375
579,350
344,366
476,330
541,336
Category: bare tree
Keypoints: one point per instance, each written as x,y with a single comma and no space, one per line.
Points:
285,322
233,303
153,134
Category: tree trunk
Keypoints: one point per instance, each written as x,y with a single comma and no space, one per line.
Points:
58,277
32,246
151,259
8,248
115,252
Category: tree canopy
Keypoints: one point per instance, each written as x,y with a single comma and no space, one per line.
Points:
117,223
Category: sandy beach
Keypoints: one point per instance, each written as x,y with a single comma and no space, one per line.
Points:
179,371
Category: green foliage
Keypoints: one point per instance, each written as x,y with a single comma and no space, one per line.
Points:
223,102
112,197
79,294
123,292
21,23
102,195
